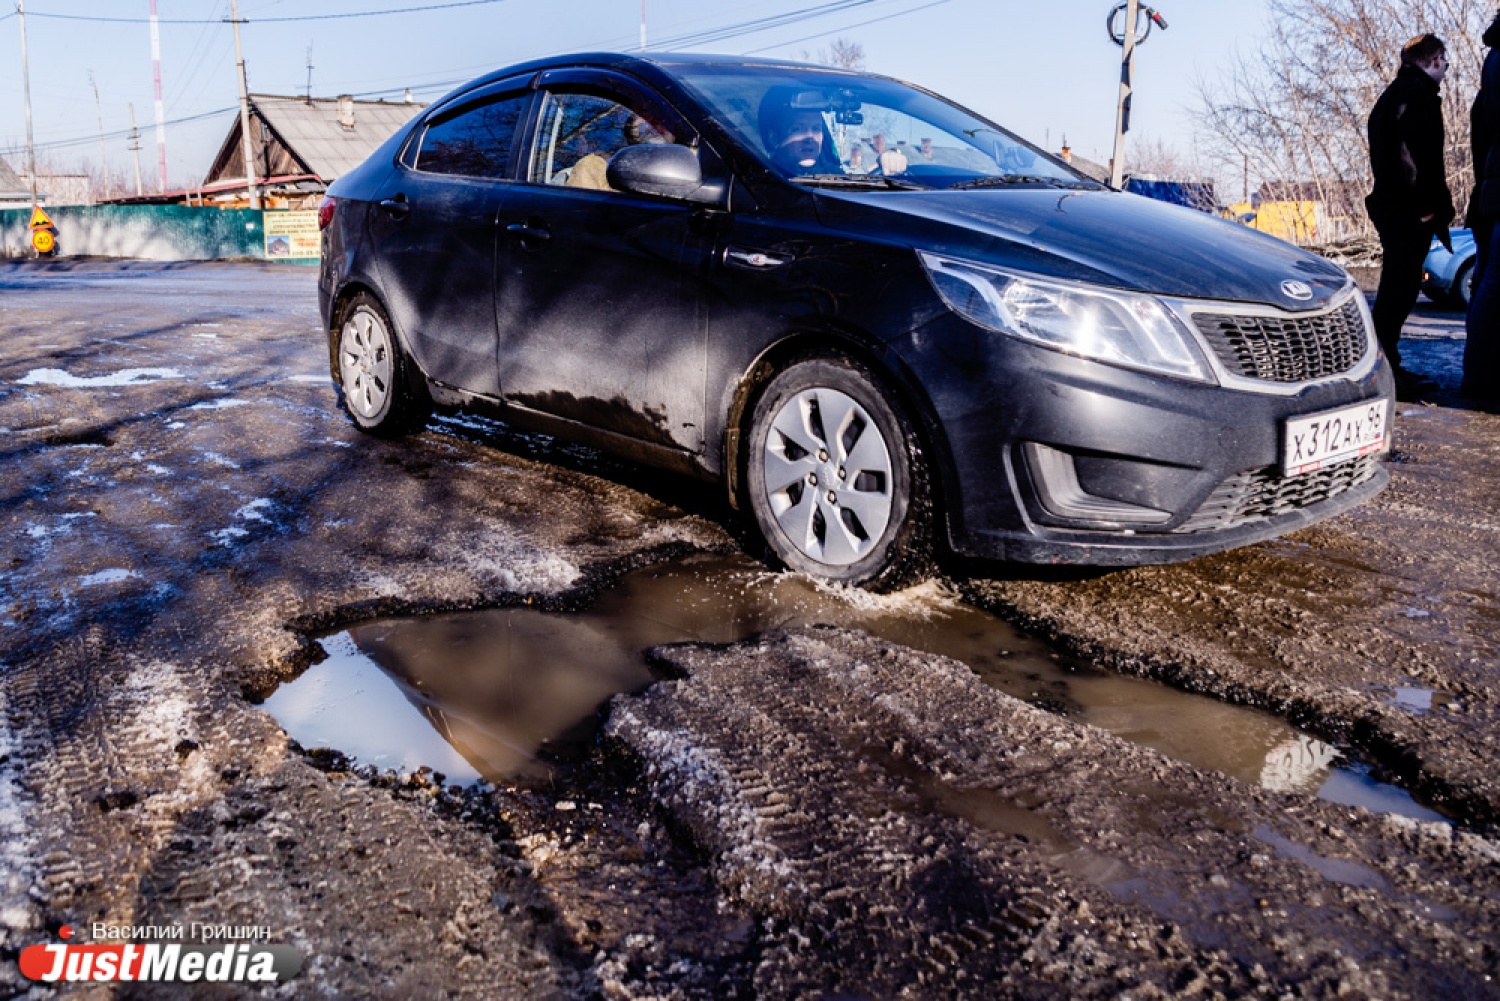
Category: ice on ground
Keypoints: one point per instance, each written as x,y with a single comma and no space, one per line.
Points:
125,377
521,570
253,511
39,532
111,576
17,847
223,403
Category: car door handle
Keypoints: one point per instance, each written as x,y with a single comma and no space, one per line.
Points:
529,232
755,260
396,208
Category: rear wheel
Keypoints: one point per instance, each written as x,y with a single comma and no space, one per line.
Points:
836,477
377,379
1463,284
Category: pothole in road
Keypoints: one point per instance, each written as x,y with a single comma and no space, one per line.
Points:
493,694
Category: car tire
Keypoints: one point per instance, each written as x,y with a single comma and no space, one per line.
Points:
1463,285
836,477
379,387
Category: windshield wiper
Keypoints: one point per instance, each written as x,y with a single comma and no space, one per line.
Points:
999,180
858,181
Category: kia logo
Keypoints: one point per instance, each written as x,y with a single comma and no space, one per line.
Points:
1293,289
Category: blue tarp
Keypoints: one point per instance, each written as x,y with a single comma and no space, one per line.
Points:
1193,194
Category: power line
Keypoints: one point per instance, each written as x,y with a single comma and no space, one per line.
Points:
265,20
759,24
123,133
847,27
708,35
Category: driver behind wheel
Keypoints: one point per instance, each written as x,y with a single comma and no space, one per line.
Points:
793,131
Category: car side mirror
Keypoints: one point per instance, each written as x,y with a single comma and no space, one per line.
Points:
663,169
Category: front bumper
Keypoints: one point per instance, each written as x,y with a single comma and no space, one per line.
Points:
1052,458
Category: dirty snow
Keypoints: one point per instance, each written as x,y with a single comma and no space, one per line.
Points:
125,377
223,403
252,511
17,913
111,576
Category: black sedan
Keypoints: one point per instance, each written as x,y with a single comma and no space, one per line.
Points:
889,326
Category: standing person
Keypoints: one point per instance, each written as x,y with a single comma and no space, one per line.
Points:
1409,202
1482,346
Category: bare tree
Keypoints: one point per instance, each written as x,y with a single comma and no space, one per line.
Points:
1150,155
845,53
1294,112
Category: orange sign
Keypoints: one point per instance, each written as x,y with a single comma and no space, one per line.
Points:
39,218
43,241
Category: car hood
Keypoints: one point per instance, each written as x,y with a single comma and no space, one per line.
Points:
1103,237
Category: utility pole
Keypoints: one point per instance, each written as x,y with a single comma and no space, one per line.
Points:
247,151
26,88
103,152
135,145
643,25
309,72
1127,36
1122,112
161,120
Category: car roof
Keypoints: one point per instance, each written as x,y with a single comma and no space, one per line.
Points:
661,62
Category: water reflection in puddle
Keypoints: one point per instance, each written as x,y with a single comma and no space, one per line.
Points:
1416,700
476,695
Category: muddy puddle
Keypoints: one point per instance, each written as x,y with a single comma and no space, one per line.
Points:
487,695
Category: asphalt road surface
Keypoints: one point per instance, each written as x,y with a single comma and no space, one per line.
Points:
809,811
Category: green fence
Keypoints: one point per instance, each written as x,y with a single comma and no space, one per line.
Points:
160,232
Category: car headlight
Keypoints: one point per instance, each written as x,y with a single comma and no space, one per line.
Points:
1123,328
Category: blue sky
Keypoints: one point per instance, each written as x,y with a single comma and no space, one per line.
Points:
1043,69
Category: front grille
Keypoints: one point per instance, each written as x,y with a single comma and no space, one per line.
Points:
1260,494
1287,348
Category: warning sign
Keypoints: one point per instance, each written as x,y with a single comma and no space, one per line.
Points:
39,218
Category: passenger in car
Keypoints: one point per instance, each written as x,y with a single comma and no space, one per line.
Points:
891,161
589,172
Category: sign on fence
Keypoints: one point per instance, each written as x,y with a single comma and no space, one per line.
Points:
291,235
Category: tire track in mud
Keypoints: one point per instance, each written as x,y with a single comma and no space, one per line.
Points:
898,827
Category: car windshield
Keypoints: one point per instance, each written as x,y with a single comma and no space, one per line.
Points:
835,128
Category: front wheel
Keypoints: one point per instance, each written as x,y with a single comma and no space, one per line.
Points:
376,378
836,477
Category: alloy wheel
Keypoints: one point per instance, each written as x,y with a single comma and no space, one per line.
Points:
828,476
367,365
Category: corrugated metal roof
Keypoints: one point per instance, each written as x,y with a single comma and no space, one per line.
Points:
11,185
312,131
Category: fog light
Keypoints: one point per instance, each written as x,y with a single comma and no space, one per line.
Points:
1061,495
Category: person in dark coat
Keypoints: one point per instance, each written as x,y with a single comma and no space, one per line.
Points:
1482,348
1409,202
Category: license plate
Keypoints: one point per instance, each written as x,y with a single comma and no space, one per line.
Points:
1326,439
